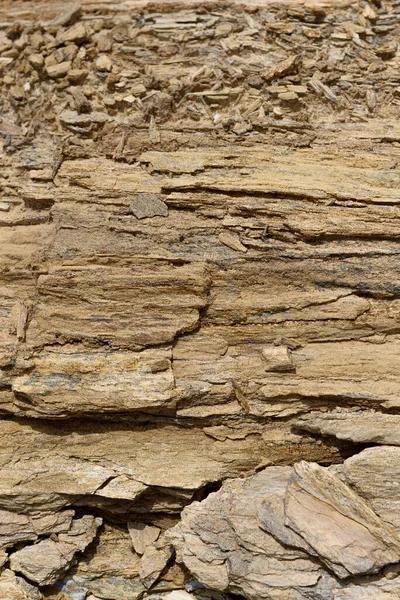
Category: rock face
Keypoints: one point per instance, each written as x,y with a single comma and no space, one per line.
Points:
199,300
221,542
292,530
335,524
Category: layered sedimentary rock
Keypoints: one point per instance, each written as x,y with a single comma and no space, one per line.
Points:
199,300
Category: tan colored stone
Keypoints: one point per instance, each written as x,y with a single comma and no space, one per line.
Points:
153,562
77,75
232,241
16,588
338,525
167,302
362,426
76,33
58,70
46,561
44,471
288,96
219,540
104,41
16,528
307,508
103,63
200,279
148,205
277,359
374,474
72,381
142,535
111,570
36,60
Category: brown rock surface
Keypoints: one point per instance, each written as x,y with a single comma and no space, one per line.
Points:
16,588
271,535
46,561
199,291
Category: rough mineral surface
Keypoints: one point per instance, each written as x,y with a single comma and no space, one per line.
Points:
199,300
287,530
47,560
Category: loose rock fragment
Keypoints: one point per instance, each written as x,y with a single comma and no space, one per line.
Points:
284,67
371,99
47,561
103,63
104,41
232,241
301,90
77,75
138,89
142,535
154,134
148,205
16,588
71,117
108,570
310,512
221,543
58,70
375,475
288,96
282,27
123,487
82,104
16,528
77,33
154,560
36,60
180,595
278,359
321,88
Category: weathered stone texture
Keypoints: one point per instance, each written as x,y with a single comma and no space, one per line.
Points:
199,300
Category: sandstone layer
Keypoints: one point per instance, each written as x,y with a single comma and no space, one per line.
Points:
199,300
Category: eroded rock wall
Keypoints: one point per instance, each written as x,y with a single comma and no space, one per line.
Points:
199,300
